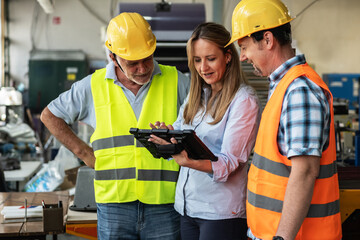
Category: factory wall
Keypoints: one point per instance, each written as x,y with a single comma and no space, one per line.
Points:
71,26
326,31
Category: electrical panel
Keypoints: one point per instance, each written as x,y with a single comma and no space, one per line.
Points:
344,85
52,72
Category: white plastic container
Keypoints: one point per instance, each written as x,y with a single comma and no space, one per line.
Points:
9,96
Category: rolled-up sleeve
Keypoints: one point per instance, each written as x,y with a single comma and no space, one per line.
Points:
239,137
74,105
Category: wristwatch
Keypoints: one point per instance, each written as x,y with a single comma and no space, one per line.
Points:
277,238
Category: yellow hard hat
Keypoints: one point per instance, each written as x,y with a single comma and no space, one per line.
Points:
130,37
250,16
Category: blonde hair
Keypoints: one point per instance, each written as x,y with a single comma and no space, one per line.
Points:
232,78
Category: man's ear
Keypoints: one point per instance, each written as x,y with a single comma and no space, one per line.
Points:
112,56
269,39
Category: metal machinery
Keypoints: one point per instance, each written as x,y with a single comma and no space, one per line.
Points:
172,25
349,182
344,86
345,90
51,72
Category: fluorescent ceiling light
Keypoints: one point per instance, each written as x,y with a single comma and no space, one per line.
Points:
47,5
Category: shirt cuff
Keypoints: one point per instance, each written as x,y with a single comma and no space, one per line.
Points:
219,172
303,152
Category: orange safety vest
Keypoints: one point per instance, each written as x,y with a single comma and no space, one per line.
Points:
269,174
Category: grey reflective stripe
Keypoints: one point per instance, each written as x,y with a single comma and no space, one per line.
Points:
117,141
139,144
115,174
327,171
276,168
261,201
323,210
316,210
143,175
157,175
283,170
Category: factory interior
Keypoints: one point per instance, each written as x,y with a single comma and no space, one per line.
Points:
47,45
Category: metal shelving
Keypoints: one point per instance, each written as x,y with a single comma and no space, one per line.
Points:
260,84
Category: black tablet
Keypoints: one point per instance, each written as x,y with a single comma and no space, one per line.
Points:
186,139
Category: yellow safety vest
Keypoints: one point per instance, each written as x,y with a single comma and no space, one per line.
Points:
124,170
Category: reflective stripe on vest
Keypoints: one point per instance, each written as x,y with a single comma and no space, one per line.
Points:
269,173
315,211
118,141
112,142
144,175
283,170
124,170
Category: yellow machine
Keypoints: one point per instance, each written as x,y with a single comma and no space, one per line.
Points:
349,179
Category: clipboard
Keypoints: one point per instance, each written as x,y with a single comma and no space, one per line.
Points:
187,140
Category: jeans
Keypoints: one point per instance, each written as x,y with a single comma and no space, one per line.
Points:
201,229
136,220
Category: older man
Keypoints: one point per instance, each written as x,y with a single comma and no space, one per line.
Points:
134,192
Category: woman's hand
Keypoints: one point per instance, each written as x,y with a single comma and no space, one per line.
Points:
182,158
161,125
155,139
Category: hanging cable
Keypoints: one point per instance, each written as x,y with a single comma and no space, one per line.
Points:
93,12
6,80
302,11
112,8
34,23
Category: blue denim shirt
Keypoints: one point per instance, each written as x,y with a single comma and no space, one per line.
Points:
220,195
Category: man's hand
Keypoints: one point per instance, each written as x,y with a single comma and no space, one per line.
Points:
67,137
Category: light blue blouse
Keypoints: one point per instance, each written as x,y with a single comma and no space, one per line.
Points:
220,195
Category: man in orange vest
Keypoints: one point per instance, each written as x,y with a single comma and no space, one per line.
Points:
293,190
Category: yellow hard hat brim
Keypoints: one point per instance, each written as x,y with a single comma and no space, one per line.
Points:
233,39
238,37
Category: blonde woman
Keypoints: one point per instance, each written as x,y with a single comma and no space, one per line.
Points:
224,112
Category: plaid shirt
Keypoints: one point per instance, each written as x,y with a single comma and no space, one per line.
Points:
305,115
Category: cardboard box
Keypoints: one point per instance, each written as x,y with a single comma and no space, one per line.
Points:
69,179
